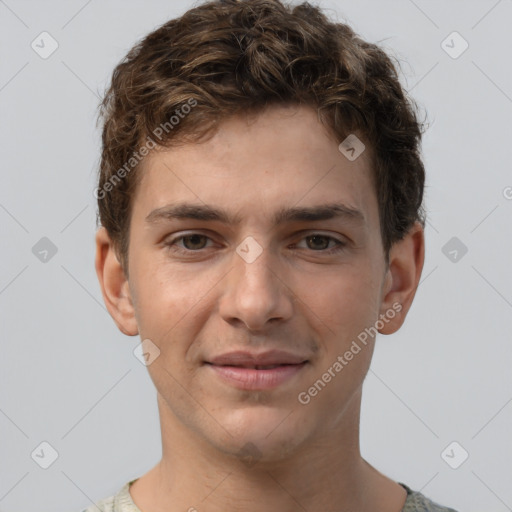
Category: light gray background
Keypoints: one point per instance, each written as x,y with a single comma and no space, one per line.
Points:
70,378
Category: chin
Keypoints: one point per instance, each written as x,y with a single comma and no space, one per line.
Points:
264,434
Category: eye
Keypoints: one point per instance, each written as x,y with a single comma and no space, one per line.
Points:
319,243
192,242
195,242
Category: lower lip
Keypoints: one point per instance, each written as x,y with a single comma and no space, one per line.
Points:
250,378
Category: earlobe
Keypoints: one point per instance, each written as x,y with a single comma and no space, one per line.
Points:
406,258
114,285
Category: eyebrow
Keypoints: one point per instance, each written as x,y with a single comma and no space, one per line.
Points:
294,214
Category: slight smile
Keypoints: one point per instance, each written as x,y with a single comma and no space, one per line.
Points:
251,371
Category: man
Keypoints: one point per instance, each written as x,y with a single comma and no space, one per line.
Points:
260,199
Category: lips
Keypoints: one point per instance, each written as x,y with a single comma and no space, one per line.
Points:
257,367
245,359
250,371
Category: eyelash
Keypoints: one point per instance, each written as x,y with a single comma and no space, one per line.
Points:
171,244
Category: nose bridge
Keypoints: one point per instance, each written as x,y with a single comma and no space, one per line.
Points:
255,293
254,265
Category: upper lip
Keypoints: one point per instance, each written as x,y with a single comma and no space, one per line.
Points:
244,358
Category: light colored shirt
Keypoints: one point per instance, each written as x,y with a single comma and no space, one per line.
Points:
122,502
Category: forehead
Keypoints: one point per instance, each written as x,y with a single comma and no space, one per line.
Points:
282,157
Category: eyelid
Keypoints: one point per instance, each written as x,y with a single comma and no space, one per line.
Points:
184,234
340,243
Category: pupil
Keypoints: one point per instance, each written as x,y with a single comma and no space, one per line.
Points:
193,237
316,237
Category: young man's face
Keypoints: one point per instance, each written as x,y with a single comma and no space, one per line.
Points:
255,286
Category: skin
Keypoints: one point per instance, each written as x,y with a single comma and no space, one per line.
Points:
208,300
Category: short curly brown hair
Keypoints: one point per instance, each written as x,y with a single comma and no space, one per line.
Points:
226,57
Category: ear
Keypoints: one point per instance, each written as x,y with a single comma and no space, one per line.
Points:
114,285
406,258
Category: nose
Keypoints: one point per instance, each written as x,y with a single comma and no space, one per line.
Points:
256,292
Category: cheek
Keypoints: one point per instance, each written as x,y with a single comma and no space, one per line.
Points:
344,302
164,296
172,309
